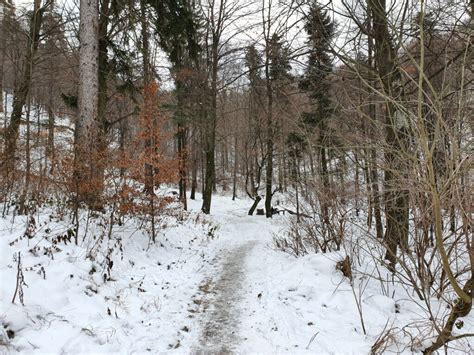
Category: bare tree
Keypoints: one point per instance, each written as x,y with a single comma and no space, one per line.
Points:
219,16
23,89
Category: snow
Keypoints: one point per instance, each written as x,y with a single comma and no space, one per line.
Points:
199,289
68,311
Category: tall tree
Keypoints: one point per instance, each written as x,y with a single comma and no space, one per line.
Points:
219,14
277,73
177,27
23,89
255,157
88,104
5,15
372,108
103,67
147,78
320,29
216,20
396,198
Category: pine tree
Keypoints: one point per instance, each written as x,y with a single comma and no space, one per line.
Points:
279,68
177,26
321,30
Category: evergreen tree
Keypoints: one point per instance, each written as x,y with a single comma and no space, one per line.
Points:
253,61
321,30
177,27
279,68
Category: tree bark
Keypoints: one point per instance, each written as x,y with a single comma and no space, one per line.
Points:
210,135
234,173
102,122
181,138
254,205
324,173
2,59
269,137
396,199
194,168
86,125
149,178
182,155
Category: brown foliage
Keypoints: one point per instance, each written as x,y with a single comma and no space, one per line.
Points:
151,140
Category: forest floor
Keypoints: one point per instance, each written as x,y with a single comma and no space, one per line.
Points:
198,290
260,300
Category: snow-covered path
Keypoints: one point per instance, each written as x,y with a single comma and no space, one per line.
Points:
220,330
229,292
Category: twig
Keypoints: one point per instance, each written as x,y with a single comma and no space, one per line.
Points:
311,340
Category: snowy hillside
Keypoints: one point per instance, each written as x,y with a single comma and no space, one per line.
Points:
201,288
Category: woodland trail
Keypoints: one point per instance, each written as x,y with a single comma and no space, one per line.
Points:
239,235
220,330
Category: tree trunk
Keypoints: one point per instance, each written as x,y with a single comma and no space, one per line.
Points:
209,173
324,173
86,125
374,178
194,169
103,125
396,199
374,175
254,205
182,155
296,167
210,135
50,143
269,139
2,61
203,173
181,138
146,81
24,196
21,92
234,174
